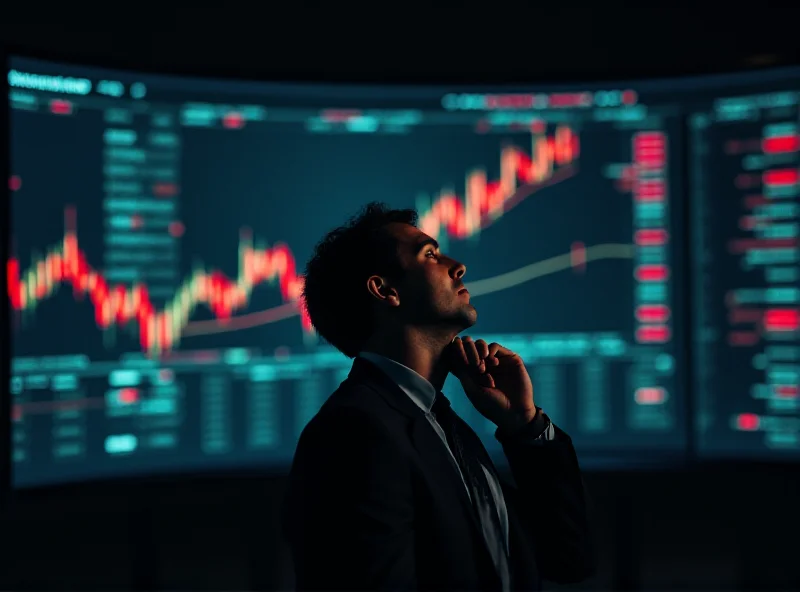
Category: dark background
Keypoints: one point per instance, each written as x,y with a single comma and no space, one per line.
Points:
719,527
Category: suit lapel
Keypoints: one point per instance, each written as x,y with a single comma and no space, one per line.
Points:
437,461
440,465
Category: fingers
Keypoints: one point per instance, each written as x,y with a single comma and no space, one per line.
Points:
465,357
485,354
475,355
459,356
482,348
498,351
470,360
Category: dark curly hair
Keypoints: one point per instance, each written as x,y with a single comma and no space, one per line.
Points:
335,292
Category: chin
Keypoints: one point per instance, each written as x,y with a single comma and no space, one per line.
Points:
468,315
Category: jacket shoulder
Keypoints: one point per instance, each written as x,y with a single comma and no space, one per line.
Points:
353,402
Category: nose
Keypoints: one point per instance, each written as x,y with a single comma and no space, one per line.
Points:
458,270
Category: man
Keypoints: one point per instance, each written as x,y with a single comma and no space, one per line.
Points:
389,489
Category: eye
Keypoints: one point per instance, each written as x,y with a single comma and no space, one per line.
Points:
431,253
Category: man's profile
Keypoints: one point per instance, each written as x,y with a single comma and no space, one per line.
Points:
389,488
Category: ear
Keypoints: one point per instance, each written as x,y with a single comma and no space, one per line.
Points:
380,289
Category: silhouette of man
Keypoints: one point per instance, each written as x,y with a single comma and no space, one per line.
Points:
389,488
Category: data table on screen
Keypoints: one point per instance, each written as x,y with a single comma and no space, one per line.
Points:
746,158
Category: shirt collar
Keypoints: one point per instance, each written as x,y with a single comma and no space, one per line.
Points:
410,382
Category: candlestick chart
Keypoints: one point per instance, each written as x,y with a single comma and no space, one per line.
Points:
552,159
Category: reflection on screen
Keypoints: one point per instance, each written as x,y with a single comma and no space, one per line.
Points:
160,227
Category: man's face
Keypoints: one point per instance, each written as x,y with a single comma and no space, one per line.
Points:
431,291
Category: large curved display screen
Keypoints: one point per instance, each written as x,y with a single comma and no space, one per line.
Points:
160,227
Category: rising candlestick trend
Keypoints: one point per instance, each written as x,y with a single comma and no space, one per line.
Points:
160,331
485,201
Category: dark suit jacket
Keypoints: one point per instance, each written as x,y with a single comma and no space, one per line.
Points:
374,502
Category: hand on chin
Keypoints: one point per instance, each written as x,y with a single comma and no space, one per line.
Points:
495,380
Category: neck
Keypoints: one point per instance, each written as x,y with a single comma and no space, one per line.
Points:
416,349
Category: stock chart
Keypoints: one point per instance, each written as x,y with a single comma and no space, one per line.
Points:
746,160
161,225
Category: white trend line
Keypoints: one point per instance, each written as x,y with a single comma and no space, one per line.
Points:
545,267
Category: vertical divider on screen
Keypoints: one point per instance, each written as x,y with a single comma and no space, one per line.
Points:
687,282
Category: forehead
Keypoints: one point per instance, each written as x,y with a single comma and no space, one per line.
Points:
406,235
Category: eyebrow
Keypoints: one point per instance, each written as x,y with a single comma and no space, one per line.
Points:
427,242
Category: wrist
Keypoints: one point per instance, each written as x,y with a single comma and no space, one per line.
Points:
517,421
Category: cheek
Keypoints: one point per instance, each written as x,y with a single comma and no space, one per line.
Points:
436,283
429,287
441,288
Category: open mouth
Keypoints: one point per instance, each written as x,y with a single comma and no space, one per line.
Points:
463,291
